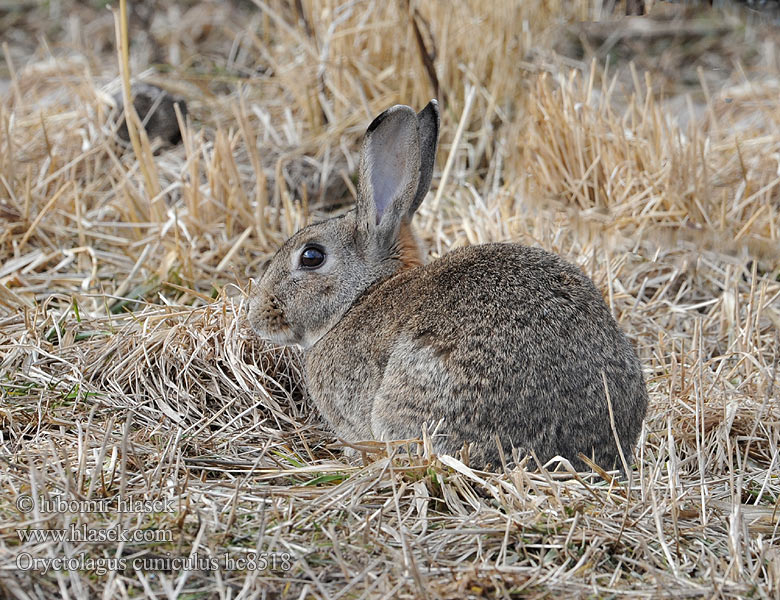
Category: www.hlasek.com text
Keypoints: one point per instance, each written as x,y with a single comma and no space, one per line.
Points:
89,535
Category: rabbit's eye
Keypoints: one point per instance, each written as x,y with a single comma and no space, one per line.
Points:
312,257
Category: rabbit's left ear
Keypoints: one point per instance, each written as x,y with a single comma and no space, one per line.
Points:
389,173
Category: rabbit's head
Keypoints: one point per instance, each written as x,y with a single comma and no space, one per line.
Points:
321,271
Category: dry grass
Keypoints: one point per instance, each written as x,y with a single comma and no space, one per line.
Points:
127,370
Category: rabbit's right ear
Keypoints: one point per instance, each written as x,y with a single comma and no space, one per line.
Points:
428,118
389,174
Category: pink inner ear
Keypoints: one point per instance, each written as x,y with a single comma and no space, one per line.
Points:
389,171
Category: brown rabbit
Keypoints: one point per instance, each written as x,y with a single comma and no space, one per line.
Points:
496,340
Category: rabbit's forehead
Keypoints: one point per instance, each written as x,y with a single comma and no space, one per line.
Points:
331,235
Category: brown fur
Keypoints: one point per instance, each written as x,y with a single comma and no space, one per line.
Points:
408,247
498,339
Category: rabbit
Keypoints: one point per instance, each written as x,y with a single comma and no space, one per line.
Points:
500,340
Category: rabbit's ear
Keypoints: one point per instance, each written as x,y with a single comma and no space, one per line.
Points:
389,173
428,118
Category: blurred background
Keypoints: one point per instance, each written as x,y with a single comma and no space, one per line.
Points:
641,126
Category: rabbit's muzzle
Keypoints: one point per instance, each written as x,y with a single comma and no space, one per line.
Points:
268,320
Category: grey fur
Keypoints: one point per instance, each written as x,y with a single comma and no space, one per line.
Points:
495,339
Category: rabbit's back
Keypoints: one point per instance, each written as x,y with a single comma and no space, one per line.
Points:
496,339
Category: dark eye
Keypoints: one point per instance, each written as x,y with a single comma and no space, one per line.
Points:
312,257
